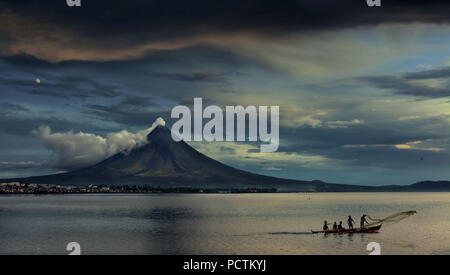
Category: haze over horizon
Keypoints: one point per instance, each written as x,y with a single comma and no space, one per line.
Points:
363,92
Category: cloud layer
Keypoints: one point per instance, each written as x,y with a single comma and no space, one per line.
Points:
424,84
90,32
76,150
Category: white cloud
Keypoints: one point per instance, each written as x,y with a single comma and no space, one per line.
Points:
419,145
75,150
343,124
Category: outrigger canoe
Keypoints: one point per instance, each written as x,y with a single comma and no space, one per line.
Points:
373,229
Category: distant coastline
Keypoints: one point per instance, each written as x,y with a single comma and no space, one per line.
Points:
14,188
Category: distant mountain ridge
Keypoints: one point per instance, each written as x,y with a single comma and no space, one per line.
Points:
423,186
165,163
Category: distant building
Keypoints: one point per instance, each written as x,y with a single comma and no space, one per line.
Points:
14,184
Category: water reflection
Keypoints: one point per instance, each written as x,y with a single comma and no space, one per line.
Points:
217,224
289,233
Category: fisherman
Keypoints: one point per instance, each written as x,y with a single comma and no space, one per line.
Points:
325,225
350,222
335,227
363,220
340,227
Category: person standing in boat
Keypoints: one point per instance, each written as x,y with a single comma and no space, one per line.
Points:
364,221
350,222
335,226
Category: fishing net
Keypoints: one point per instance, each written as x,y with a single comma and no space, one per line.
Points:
391,219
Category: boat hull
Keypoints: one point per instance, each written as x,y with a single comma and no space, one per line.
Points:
373,229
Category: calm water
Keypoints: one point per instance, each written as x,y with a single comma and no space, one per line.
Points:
219,224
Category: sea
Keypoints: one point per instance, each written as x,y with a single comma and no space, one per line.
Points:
220,224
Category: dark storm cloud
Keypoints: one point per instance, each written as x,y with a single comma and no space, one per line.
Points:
103,17
402,86
430,74
107,25
408,84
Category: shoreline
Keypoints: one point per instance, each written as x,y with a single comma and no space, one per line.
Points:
211,193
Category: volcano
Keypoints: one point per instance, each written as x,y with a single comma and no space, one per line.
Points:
164,163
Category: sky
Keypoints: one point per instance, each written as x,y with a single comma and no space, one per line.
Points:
363,92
